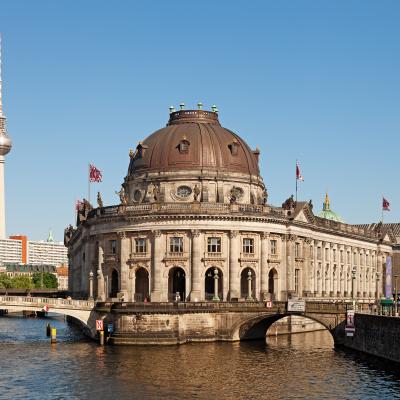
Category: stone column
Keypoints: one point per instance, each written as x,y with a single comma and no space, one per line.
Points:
100,278
307,282
381,278
290,239
196,266
132,280
234,278
125,250
91,285
156,268
264,266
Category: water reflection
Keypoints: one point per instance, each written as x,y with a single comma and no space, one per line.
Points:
284,367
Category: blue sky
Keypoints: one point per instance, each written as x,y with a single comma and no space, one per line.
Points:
316,81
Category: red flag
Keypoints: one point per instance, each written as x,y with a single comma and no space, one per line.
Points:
298,173
94,174
385,205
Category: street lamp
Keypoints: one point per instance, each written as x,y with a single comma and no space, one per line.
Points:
353,278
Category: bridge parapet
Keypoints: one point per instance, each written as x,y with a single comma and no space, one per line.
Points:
41,301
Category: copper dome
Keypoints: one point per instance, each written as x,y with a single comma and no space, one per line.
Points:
193,140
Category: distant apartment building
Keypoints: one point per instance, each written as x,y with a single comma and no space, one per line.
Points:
18,249
11,251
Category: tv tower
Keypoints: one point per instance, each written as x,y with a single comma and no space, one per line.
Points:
5,147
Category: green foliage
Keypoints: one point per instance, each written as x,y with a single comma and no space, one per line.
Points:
21,282
49,280
5,281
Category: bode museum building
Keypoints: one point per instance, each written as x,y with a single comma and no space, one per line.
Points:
194,224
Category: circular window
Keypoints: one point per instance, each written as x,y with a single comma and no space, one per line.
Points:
137,196
184,191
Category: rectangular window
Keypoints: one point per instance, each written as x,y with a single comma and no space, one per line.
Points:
297,250
296,280
214,245
272,246
141,245
248,246
327,254
334,255
319,253
341,256
176,245
113,246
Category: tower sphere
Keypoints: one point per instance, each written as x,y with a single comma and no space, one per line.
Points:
5,144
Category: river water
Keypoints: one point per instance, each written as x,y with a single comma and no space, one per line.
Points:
301,366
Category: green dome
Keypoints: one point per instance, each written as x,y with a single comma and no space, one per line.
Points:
327,213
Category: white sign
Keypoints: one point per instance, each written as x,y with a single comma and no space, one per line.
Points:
296,306
268,304
99,325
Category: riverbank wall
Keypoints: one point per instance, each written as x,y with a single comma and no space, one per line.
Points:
376,335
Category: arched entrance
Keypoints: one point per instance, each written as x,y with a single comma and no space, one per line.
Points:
114,284
177,284
212,278
248,284
273,283
141,284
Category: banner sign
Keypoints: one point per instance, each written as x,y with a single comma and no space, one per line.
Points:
296,305
388,281
350,326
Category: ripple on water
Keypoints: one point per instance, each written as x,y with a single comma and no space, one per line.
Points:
302,366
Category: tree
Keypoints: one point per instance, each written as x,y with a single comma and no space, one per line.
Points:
21,282
44,280
5,281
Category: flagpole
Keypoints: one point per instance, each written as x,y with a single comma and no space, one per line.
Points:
89,183
296,181
382,211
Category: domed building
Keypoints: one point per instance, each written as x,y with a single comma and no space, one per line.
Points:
327,213
194,224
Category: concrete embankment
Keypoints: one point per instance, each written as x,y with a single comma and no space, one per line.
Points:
376,335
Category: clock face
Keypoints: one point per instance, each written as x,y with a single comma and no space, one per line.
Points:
184,191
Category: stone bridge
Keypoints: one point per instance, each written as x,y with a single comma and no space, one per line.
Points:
81,310
176,323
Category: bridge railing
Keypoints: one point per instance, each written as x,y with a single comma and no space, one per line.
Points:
42,301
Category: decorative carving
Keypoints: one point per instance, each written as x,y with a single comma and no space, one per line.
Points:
99,200
310,205
289,204
264,199
122,196
122,234
68,232
264,235
233,234
196,193
236,193
195,232
156,233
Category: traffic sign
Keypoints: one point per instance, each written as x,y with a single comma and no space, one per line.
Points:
99,325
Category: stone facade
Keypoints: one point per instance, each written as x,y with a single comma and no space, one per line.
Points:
196,228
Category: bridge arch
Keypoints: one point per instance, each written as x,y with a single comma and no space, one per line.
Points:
256,327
